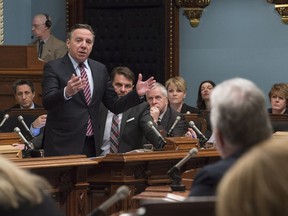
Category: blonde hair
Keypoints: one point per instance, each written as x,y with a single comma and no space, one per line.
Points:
257,183
18,186
178,81
279,89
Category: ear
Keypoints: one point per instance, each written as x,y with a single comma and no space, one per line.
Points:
219,140
68,43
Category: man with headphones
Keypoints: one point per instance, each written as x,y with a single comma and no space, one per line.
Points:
48,46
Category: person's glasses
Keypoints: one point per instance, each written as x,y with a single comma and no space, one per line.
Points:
36,26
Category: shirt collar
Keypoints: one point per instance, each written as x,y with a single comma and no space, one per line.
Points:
75,64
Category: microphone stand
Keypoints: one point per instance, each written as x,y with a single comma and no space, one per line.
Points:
174,173
175,177
202,141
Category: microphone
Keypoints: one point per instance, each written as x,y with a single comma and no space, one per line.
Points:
121,193
192,124
173,126
29,145
21,119
6,116
174,172
151,125
190,154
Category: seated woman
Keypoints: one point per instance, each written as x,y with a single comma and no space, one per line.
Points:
204,91
257,183
203,102
278,97
176,87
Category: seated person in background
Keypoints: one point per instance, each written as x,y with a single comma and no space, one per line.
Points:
36,132
48,46
278,96
131,124
204,92
176,88
237,111
24,93
257,183
203,102
23,193
162,114
39,123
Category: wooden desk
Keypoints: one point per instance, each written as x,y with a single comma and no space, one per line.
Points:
6,149
80,184
68,177
138,171
279,122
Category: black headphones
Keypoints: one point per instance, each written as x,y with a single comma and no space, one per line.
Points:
48,22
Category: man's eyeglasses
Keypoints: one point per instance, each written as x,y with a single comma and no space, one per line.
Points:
37,25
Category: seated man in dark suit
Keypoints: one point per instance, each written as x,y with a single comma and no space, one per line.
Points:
162,114
239,121
24,93
132,124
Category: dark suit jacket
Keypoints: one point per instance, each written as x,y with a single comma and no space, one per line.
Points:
46,208
17,106
186,108
38,141
133,130
167,121
207,179
65,130
13,122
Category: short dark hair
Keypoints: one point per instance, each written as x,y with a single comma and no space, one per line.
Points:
80,26
125,71
22,82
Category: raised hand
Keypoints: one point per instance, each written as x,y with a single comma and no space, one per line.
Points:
74,85
144,86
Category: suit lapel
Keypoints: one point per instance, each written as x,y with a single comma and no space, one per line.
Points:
45,51
94,78
123,121
166,118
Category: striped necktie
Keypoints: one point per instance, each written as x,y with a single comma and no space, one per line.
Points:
87,94
114,135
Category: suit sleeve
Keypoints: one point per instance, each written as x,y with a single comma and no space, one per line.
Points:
118,105
204,184
53,89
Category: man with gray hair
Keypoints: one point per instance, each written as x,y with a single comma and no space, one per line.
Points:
239,121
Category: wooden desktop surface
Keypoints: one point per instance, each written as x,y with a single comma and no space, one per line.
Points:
80,184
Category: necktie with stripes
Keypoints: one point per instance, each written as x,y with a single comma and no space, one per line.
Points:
87,94
114,135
